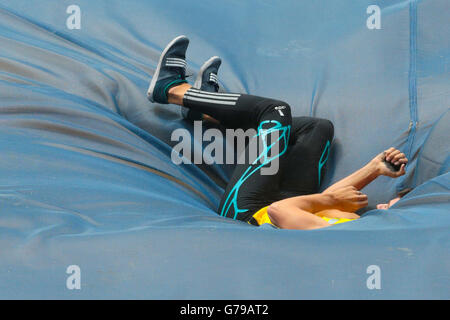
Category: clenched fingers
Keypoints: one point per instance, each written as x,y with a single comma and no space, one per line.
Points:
399,158
390,154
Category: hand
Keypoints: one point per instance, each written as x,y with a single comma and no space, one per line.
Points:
394,157
347,199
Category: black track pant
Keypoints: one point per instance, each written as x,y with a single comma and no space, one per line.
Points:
291,153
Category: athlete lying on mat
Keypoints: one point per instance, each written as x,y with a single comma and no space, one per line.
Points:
289,197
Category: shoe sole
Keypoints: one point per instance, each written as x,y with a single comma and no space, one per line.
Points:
158,68
198,80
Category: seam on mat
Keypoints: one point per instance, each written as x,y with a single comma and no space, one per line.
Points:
412,79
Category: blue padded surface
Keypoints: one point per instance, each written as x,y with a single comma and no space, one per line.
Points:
85,171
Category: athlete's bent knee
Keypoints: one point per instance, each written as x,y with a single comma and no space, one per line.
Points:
326,126
283,108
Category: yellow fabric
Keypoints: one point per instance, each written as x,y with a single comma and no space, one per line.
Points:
261,217
336,220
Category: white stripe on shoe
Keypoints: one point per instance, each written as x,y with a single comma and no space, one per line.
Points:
175,62
176,59
213,78
175,65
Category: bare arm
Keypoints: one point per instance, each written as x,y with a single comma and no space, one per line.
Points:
299,212
375,168
358,179
288,216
